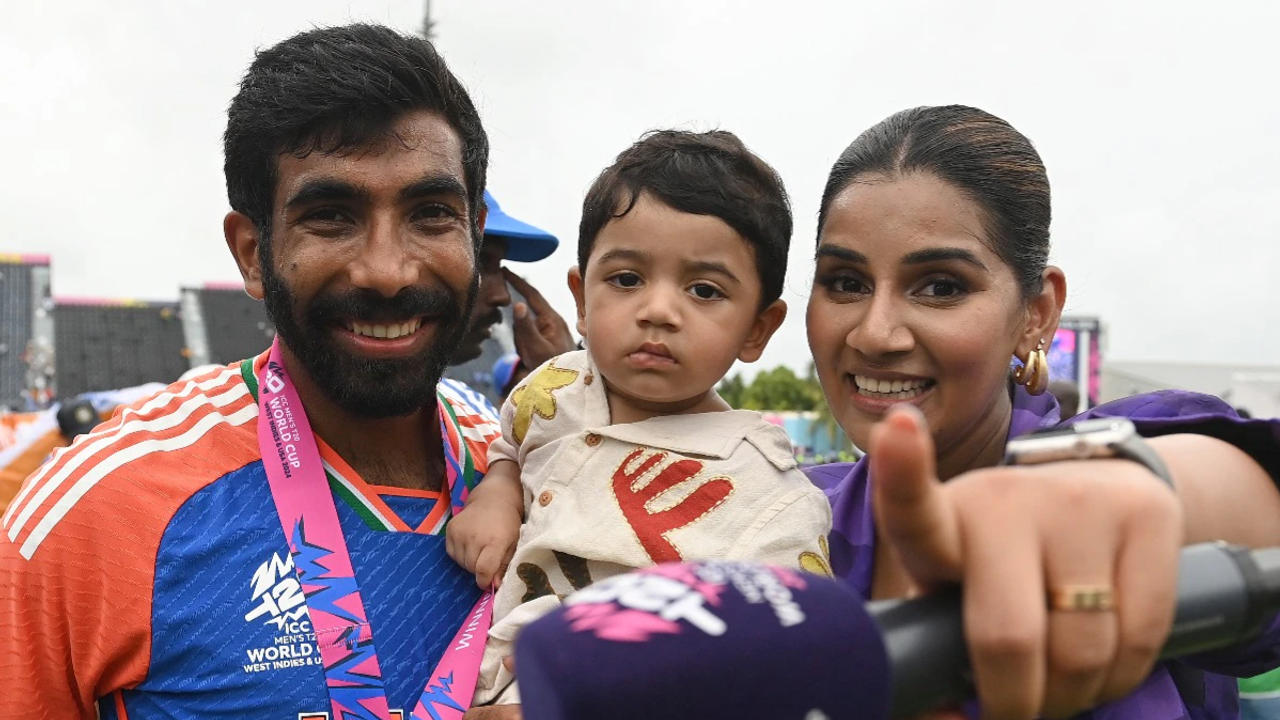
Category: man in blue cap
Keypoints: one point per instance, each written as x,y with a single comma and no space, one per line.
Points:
540,332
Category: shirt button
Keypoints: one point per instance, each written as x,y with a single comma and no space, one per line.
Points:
589,379
593,439
545,498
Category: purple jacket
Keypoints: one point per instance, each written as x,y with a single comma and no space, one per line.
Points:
1198,688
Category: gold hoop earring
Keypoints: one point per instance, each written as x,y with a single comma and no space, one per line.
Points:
1038,382
1034,373
1023,373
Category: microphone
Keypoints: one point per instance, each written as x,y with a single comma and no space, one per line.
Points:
1225,593
739,640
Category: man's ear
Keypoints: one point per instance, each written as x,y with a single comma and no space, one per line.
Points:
766,323
579,298
244,243
1043,312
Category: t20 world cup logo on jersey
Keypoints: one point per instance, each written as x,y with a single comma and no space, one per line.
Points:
277,600
278,595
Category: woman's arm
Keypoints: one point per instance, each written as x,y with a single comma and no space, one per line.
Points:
1017,536
1225,494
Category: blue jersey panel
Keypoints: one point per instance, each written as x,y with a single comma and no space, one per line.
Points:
230,632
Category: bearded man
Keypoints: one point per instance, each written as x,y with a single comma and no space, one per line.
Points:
265,540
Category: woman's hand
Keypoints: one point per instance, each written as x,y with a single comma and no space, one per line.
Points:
1017,536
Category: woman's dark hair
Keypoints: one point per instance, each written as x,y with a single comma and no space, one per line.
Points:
975,151
711,173
335,90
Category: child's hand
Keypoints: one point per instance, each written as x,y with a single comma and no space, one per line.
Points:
482,538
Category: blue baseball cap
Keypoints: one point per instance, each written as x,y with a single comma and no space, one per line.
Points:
525,243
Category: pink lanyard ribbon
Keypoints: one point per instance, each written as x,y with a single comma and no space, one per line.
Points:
323,564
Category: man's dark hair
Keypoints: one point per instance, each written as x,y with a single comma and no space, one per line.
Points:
336,90
709,173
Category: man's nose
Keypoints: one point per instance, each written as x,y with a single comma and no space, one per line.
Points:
384,265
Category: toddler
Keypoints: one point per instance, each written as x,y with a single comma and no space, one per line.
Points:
622,455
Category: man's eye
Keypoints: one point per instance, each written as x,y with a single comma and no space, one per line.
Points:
433,212
624,280
326,215
705,291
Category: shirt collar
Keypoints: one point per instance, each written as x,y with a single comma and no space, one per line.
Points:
711,434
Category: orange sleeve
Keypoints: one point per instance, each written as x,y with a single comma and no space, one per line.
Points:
12,475
78,544
76,613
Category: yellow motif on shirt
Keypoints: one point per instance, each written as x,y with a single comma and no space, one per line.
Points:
815,563
535,397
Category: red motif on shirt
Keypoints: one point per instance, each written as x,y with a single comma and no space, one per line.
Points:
651,527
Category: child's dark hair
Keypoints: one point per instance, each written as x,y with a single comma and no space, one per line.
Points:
709,173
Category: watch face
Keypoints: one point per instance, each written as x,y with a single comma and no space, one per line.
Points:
1085,439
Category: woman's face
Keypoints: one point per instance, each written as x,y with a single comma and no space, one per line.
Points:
910,304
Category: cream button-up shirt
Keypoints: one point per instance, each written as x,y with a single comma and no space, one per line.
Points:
602,499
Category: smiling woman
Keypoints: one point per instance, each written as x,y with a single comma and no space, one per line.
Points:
929,307
931,276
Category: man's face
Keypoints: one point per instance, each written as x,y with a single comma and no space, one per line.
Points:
491,298
372,273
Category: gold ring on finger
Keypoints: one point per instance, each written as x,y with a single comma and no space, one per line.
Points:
1082,598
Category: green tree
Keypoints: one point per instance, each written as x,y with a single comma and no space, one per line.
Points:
826,422
732,389
780,389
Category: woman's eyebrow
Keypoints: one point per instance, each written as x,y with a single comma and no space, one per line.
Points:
840,253
944,253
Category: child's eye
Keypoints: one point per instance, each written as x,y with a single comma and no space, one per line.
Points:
624,280
706,291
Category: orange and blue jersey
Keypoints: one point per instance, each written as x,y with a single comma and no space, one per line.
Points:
143,572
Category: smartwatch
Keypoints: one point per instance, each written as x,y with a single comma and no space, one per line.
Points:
1085,440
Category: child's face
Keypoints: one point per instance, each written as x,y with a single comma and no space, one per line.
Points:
669,301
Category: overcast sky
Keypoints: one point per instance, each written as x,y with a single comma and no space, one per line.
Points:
1160,128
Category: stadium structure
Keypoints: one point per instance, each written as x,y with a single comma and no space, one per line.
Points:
56,348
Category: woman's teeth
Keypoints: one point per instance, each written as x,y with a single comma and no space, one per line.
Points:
389,332
897,389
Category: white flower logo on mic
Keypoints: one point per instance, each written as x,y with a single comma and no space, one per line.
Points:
663,599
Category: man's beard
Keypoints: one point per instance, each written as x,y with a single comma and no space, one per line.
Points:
368,387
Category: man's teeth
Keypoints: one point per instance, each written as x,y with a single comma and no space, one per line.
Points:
899,389
388,332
